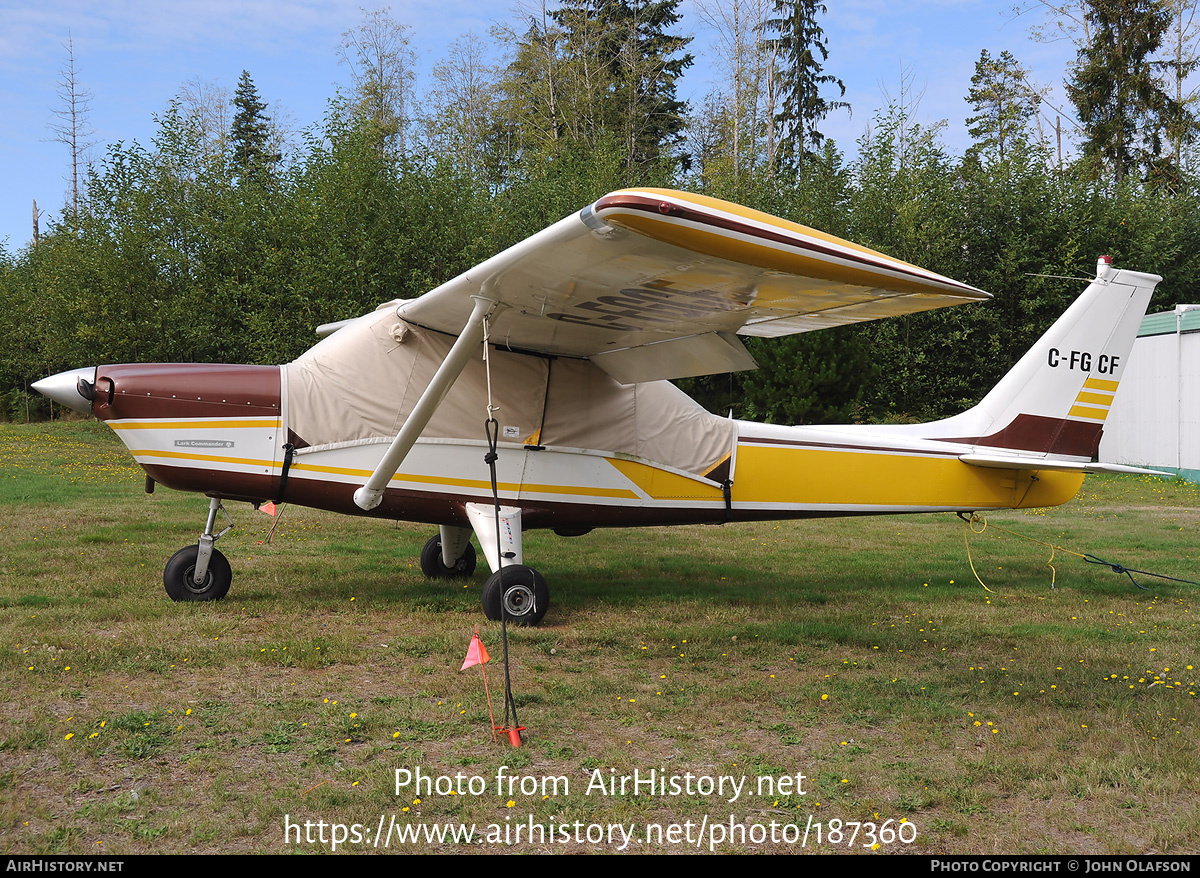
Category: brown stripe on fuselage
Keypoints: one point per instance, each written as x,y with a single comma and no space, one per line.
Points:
186,390
842,446
427,506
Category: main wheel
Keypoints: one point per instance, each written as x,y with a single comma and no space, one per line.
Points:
178,576
525,599
434,567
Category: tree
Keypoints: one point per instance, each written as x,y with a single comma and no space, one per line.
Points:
205,105
464,104
381,65
598,73
1003,103
799,42
645,61
73,129
738,120
250,135
1182,60
1121,103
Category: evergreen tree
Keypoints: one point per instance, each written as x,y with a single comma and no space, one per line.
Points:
622,68
1123,107
646,62
801,47
1003,103
252,156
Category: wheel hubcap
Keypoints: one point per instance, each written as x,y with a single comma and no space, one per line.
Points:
518,601
189,580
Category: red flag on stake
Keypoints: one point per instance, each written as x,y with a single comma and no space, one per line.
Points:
477,653
268,508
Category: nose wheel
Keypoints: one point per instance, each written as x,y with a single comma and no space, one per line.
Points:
179,576
199,572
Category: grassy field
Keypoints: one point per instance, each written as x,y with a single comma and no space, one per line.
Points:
862,654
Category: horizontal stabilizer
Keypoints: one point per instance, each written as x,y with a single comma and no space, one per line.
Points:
1006,461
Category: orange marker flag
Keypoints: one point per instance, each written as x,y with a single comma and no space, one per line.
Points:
268,508
477,653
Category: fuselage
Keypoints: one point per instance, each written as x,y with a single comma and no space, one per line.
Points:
226,431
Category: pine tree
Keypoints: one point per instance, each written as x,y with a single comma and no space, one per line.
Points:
621,70
251,133
1003,103
1124,110
802,49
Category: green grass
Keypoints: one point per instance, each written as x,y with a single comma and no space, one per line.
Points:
859,652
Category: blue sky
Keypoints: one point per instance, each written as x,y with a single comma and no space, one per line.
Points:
133,55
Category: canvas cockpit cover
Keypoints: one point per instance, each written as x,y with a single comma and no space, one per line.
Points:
362,382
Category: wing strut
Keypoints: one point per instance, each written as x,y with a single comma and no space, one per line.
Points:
371,494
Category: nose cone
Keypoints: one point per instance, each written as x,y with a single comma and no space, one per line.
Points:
74,389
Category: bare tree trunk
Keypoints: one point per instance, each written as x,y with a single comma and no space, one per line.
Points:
73,129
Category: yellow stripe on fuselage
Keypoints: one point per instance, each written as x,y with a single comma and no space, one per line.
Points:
663,485
829,477
195,425
476,484
211,458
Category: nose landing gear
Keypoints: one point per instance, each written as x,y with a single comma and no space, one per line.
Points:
200,572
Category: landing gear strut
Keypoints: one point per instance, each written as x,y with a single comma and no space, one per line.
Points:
200,572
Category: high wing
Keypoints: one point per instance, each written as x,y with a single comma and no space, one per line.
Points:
652,284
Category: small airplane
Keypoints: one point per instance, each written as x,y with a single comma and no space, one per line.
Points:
563,345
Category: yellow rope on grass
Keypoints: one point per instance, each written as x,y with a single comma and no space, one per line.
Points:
969,521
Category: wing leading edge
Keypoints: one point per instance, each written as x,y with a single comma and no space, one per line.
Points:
652,283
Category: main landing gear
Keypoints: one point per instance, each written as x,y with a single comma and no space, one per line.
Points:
516,592
200,572
519,591
455,562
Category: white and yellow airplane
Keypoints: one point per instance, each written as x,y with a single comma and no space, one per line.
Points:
567,339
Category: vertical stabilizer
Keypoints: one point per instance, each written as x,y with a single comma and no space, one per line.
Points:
1055,399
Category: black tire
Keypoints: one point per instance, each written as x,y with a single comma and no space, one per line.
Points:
528,596
434,567
177,576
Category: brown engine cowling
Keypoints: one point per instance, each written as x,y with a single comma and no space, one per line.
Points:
133,392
